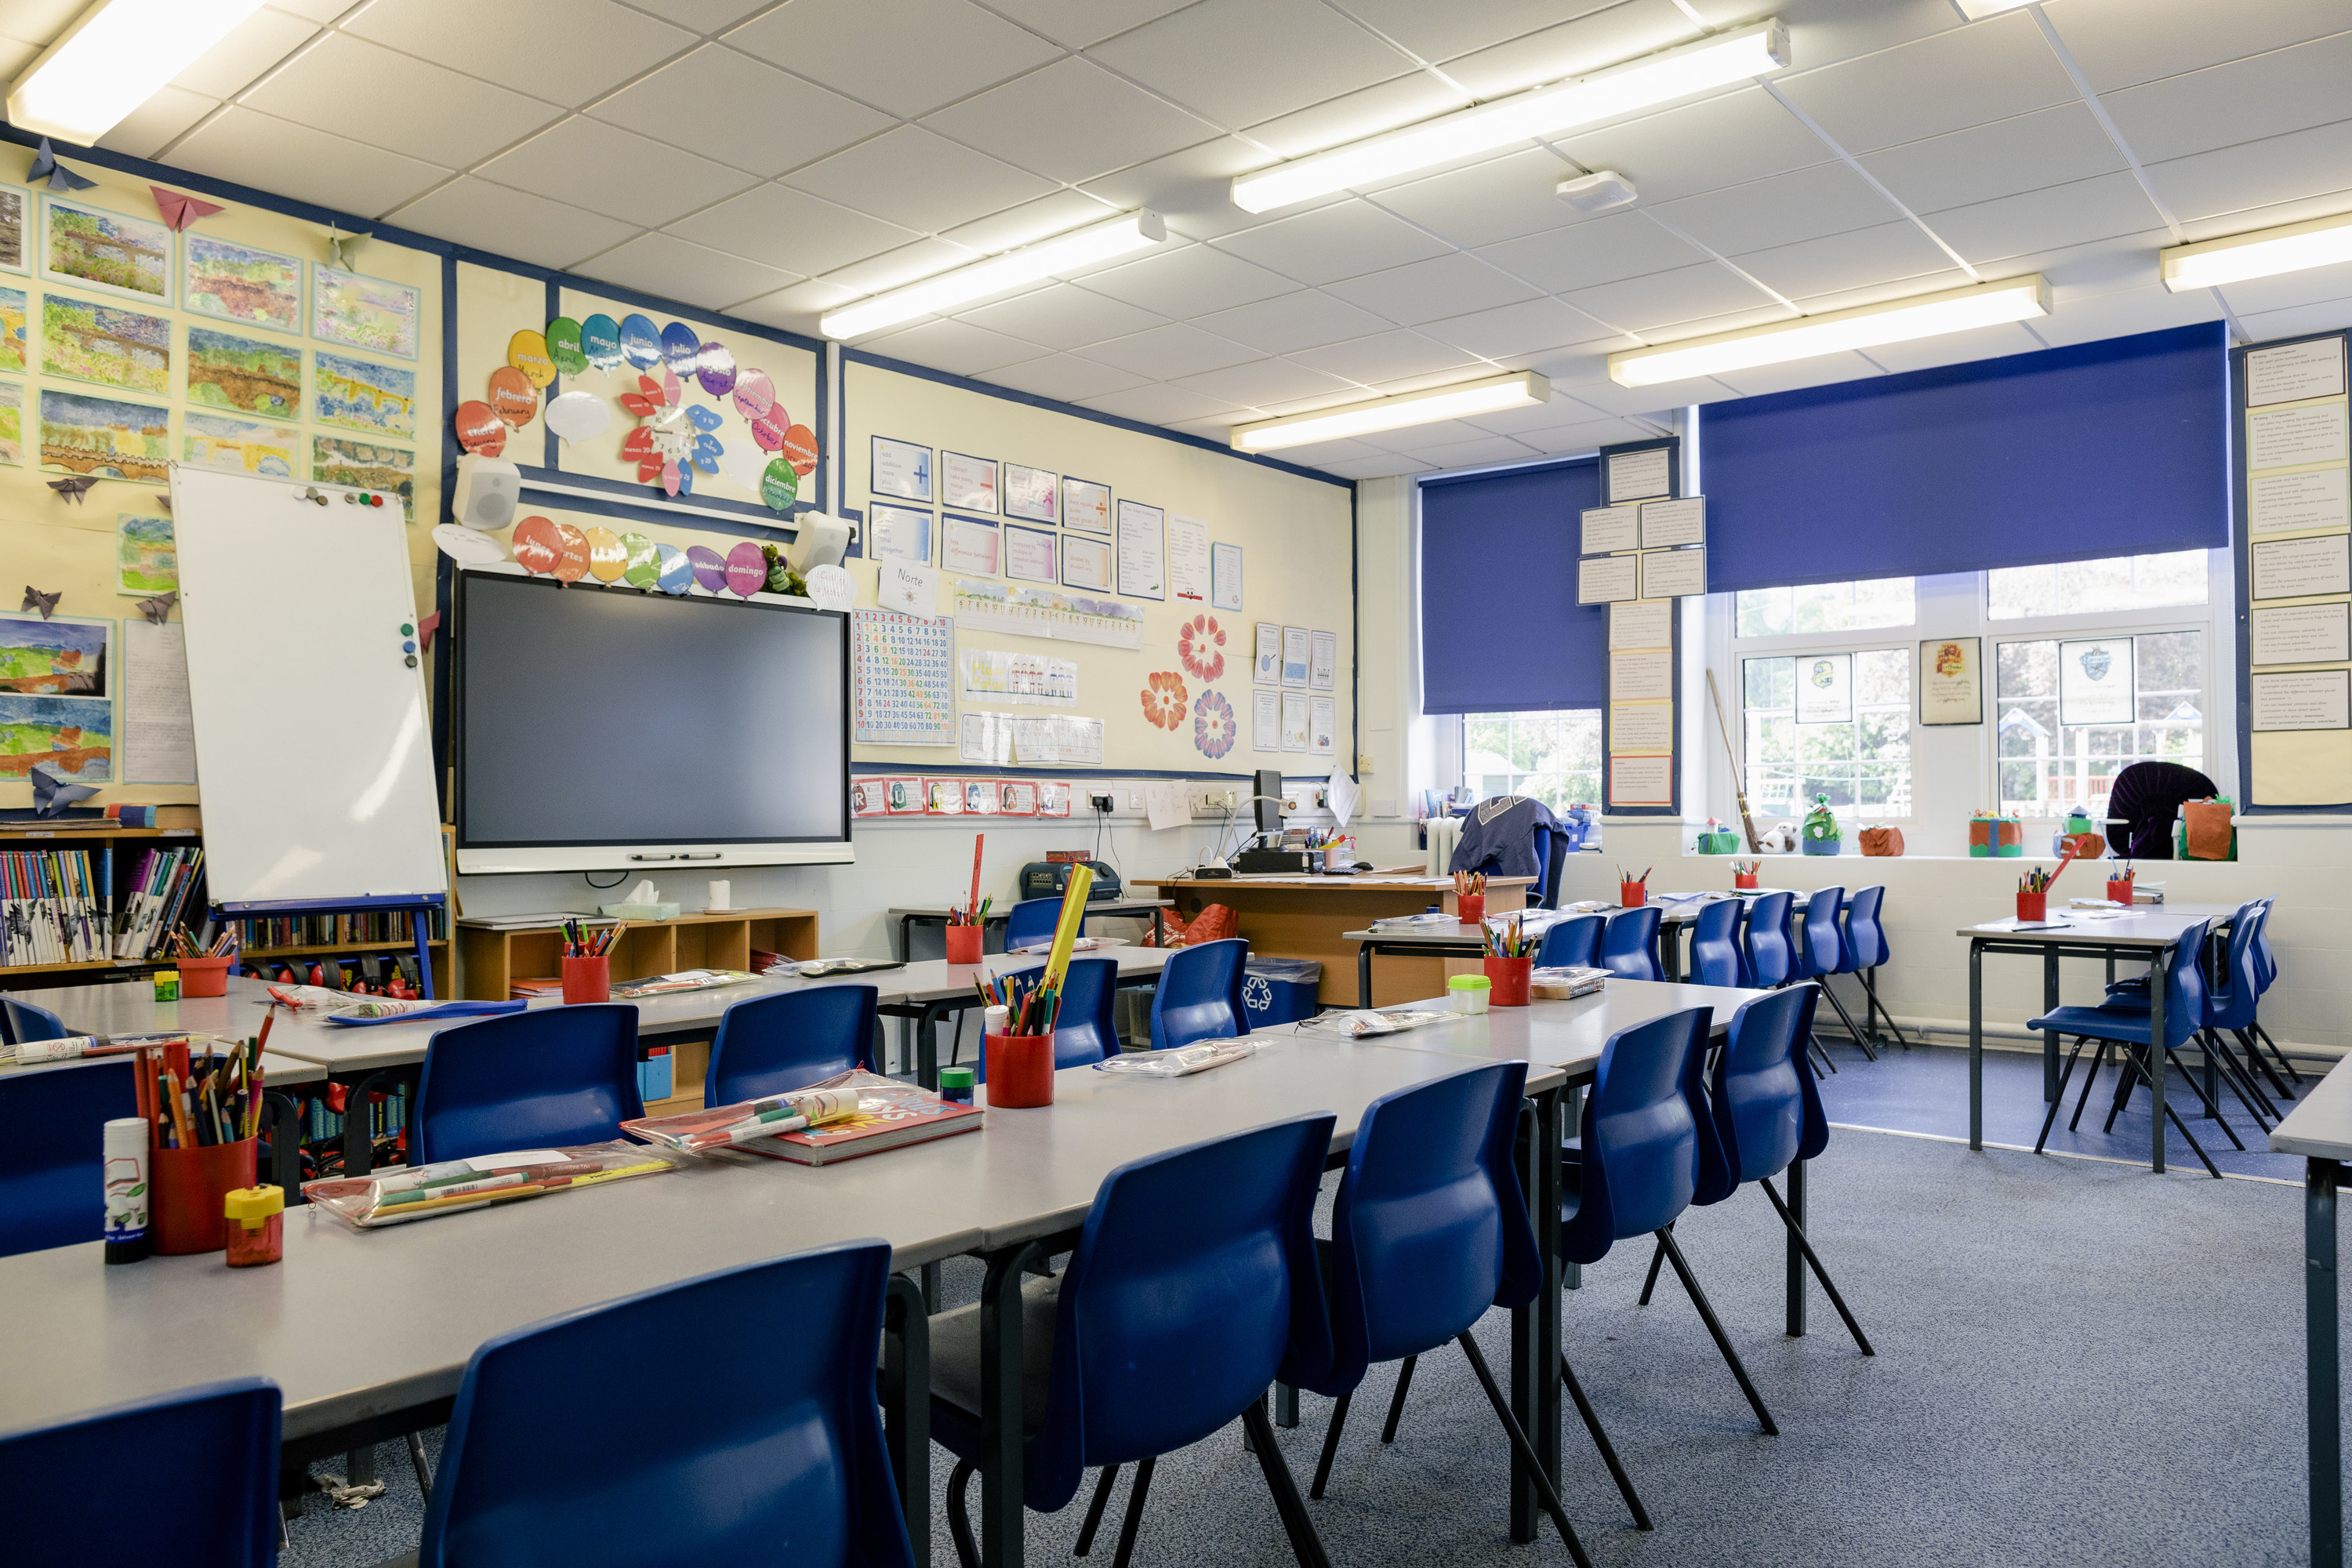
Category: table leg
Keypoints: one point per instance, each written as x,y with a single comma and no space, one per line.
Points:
1002,1512
1796,1253
2156,1068
1670,951
2048,1036
1976,1043
284,1119
1364,975
1536,1327
907,1407
1285,1404
927,1043
2322,1373
1159,928
359,1144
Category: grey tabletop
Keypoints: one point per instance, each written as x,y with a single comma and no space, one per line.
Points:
2320,1125
276,1070
1677,912
1121,907
1564,1034
2147,925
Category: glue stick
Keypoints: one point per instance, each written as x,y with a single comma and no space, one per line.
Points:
124,1166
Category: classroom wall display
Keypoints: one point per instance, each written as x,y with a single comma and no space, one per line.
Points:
15,310
900,469
1033,494
1086,564
1225,576
1265,669
358,311
1030,554
1951,680
1086,505
241,283
245,375
1825,688
898,533
145,560
902,686
1641,470
84,340
967,482
87,243
1142,549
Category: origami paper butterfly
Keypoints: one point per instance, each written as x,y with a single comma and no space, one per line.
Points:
158,609
37,600
73,488
46,167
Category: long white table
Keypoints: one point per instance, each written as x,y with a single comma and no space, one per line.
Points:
2319,1129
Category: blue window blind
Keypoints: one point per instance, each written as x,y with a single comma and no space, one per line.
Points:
1500,629
2117,448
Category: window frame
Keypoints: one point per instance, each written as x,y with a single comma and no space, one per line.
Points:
1903,639
1459,760
2067,628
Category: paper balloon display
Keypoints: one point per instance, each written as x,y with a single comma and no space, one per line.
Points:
641,343
780,487
754,393
480,428
682,349
512,396
577,415
715,369
747,569
608,559
468,545
571,562
536,545
769,430
600,340
800,449
564,345
527,351
644,568
677,570
710,567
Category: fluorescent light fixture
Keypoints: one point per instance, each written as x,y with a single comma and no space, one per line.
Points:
1834,331
116,56
2288,248
1047,257
1518,390
1978,10
1711,62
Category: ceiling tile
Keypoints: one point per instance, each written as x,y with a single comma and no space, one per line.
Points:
1687,294
1965,77
1822,370
2098,267
1334,242
307,165
666,265
318,11
772,122
1957,348
2286,291
1192,189
1530,326
2330,317
571,50
956,347
1728,140
2119,43
1653,403
1057,213
153,125
1562,440
908,57
1238,62
1169,351
2268,95
1070,121
252,46
1264,381
904,265
1385,356
1604,38
1880,293
1322,454
924,182
2297,166
1061,316
2063,214
1075,24
446,118
1445,32
2124,312
1426,290
1523,422
1823,32
1485,203
618,172
1595,251
1158,404
1475,453
1841,261
795,308
16,54
1303,320
1189,281
791,229
1829,198
1350,394
1385,466
1065,376
1571,366
702,15
1351,116
491,217
2048,147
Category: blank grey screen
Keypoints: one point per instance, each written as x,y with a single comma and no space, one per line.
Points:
599,715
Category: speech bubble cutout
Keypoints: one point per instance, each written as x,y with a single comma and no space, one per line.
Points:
512,396
577,415
681,348
573,563
677,570
564,345
715,369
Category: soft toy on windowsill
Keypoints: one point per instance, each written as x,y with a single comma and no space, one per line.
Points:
1822,834
1780,841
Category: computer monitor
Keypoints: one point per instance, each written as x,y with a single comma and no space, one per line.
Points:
1268,789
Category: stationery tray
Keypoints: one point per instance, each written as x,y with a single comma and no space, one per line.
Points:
458,1186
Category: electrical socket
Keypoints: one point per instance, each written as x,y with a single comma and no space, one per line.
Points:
1135,800
1213,802
1102,804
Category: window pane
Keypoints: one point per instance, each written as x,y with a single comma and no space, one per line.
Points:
2096,587
1826,607
1554,757
1863,765
1762,612
2048,769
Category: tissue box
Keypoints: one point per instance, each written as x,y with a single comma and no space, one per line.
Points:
661,911
1718,844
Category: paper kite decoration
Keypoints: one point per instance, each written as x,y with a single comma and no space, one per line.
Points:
675,439
37,600
52,794
179,209
73,488
46,167
158,608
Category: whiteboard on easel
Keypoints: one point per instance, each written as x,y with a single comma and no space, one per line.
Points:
314,749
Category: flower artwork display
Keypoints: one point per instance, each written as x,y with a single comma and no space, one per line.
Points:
675,438
1214,728
1199,648
1165,699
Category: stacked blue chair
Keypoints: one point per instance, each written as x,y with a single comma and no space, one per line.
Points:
2266,972
1571,943
1033,921
772,1466
52,1183
1200,995
2129,1028
1823,954
1429,1230
1194,1285
28,1021
1084,1033
1715,957
528,1081
767,1044
1866,949
1648,1148
1628,944
2229,1000
1771,954
209,1500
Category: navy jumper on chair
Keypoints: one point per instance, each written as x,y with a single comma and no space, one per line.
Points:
1865,950
1823,954
52,1151
768,1045
1194,1285
1200,995
1629,944
1429,1230
1571,943
528,1081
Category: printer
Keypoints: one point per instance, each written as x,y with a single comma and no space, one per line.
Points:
1051,879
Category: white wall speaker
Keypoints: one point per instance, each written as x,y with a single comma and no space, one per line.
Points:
488,493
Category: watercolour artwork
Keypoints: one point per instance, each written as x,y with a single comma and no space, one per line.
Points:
360,394
53,658
110,249
72,736
12,424
103,437
107,344
14,308
238,283
251,375
145,560
215,441
363,313
15,203
363,465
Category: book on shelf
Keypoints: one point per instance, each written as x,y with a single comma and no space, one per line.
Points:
161,894
52,909
537,986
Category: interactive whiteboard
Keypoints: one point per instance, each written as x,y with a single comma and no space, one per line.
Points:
314,753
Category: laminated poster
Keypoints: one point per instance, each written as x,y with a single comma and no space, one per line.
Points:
968,484
1641,727
900,469
2095,681
1323,664
1642,676
2293,371
1639,476
1188,559
1294,720
1322,725
904,690
1029,554
2295,434
1085,504
1825,688
1265,721
970,545
1666,524
2304,502
1640,623
1673,573
2301,634
1265,669
1226,577
1607,579
898,533
1951,680
1142,551
1085,563
2298,568
1034,495
2306,699
1607,529
1641,781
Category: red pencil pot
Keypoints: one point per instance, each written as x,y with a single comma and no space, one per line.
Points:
588,979
204,976
191,1189
1633,895
1470,908
2032,906
1020,1071
1507,979
1744,879
963,944
2119,889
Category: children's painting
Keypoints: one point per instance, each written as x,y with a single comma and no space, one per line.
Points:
14,307
363,464
74,736
106,344
363,313
252,376
106,249
360,394
16,203
12,424
216,441
60,657
238,283
145,560
104,438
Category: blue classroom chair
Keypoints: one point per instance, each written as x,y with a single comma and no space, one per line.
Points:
28,1021
1429,1229
188,1478
1571,943
1648,1149
1866,949
1629,944
1032,921
2266,972
2230,998
1084,1033
769,1462
1771,952
1715,946
2129,1029
1194,1285
767,1044
52,1143
528,1081
1200,995
1822,954
1551,861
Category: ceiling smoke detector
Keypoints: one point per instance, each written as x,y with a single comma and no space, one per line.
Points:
1596,192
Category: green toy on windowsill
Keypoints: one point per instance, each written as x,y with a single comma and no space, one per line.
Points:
782,578
1821,834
